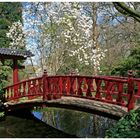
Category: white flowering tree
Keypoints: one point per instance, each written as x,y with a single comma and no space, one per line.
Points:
66,28
17,35
41,31
93,58
80,35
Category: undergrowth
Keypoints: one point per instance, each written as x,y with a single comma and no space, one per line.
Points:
127,127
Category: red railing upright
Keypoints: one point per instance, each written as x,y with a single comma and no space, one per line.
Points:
114,90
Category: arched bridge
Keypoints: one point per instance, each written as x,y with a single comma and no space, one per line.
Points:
107,94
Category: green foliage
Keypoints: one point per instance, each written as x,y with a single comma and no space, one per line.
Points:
127,127
1,114
130,63
72,64
4,72
9,12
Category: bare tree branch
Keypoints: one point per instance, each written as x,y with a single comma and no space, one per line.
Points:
124,9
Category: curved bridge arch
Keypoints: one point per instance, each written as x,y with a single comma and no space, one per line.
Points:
72,103
123,92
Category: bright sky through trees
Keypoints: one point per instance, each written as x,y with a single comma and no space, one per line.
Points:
55,31
30,20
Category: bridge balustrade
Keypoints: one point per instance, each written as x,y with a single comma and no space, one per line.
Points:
28,88
114,90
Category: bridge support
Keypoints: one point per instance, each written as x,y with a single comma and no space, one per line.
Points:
15,76
131,100
15,71
45,85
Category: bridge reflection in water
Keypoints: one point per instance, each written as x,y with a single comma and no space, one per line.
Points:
76,123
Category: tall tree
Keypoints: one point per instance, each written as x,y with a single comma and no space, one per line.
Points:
9,12
79,28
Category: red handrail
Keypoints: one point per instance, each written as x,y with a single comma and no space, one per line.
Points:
110,89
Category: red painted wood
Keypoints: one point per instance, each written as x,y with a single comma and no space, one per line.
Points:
34,89
56,88
131,100
107,89
64,82
80,80
45,85
29,89
60,86
85,85
98,84
57,93
72,88
75,85
20,92
89,84
15,76
68,85
119,99
40,86
15,71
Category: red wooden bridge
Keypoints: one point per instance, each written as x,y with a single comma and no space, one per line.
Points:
107,94
118,91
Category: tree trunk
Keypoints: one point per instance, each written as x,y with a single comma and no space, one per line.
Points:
34,70
94,32
94,26
95,72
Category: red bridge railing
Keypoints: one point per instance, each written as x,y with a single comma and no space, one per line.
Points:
114,90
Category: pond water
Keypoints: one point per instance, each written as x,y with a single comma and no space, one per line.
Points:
76,123
28,127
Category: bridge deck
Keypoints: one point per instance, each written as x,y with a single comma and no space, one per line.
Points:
86,105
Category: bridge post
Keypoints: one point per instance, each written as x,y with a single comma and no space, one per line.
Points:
15,71
15,77
131,99
45,85
74,85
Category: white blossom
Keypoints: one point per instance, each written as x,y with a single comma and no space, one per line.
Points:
16,35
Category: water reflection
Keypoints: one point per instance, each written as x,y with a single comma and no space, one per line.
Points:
76,123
